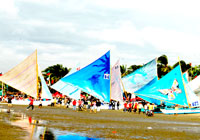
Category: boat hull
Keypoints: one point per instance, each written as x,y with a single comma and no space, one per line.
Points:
181,111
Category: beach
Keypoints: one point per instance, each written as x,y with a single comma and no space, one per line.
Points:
107,124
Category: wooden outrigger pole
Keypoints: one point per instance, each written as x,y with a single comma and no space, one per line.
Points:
37,76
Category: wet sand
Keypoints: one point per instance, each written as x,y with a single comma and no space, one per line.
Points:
110,124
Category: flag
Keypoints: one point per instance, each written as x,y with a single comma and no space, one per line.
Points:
93,79
48,73
169,88
140,77
116,90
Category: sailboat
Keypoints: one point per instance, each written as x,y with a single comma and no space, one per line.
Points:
93,79
194,102
172,89
24,77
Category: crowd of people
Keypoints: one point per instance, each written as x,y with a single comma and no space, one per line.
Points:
86,103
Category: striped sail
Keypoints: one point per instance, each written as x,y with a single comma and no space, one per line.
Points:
23,77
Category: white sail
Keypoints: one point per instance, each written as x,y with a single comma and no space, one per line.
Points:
23,77
116,90
45,94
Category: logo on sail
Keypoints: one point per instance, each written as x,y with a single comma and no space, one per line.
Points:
106,76
170,92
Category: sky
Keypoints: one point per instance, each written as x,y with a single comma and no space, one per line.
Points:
69,32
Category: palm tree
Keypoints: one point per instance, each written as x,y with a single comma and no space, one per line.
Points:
162,66
123,69
56,72
132,68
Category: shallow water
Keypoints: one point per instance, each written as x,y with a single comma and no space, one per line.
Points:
37,129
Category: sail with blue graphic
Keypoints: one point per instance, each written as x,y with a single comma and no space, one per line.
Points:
93,79
45,94
140,77
169,88
150,100
68,89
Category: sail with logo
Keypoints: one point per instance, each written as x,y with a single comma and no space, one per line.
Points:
93,79
169,88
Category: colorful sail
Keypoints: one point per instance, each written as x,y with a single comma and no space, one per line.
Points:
23,77
93,79
140,77
116,90
66,88
45,94
150,100
169,88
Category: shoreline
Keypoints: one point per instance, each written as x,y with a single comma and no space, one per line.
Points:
114,124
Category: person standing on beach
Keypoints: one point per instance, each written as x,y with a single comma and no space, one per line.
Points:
10,101
74,104
31,103
117,105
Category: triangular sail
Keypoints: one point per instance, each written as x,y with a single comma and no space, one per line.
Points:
23,77
195,85
67,89
93,79
192,97
45,94
140,77
169,88
116,90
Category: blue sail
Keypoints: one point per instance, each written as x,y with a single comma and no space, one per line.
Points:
151,100
67,89
169,88
93,79
140,77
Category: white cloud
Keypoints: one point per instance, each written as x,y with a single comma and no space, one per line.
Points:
125,33
8,8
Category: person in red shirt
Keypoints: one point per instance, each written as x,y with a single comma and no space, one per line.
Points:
125,106
135,107
31,103
74,104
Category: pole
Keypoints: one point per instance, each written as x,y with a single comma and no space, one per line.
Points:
2,89
37,77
